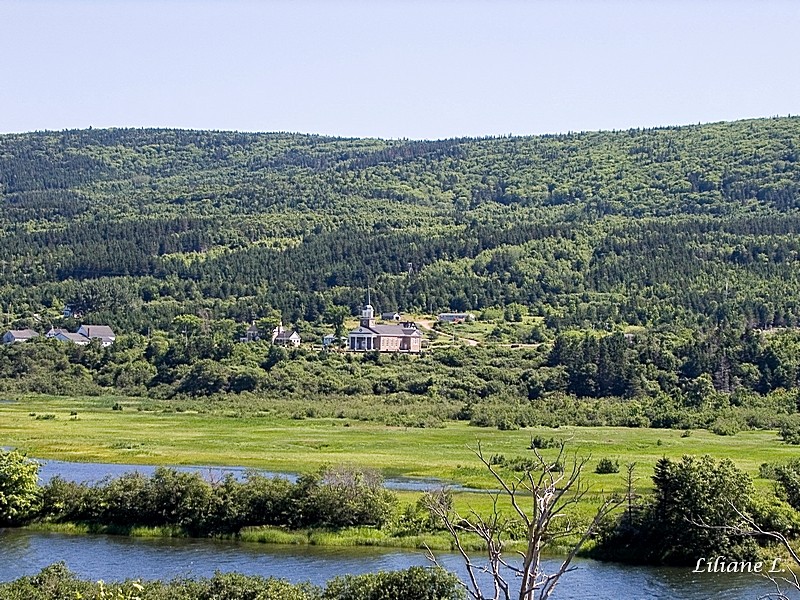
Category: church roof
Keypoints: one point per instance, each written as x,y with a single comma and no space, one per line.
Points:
395,330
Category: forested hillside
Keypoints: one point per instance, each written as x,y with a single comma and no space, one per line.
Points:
644,226
687,234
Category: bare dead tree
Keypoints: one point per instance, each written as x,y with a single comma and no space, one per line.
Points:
540,500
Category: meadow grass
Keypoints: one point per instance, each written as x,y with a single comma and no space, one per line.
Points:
99,434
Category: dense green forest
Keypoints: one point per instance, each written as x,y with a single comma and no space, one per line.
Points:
656,262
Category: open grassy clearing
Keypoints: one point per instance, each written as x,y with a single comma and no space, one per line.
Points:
99,434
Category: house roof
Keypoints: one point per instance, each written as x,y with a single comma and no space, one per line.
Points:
98,331
285,335
22,334
76,338
54,331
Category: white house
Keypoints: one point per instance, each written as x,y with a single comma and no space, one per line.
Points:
283,337
84,335
404,337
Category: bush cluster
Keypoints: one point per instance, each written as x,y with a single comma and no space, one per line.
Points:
170,498
56,582
668,527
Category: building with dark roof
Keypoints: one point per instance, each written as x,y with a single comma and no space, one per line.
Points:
19,335
104,333
284,337
403,337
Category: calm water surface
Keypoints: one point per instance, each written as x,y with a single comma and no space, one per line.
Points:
93,472
115,558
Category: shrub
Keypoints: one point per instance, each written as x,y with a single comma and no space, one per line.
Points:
19,494
507,424
774,514
68,501
342,497
521,464
723,426
606,466
788,478
540,443
767,470
497,459
790,432
415,583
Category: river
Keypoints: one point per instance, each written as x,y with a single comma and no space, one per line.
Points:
115,558
93,472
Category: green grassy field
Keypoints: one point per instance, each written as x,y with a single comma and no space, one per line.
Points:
99,434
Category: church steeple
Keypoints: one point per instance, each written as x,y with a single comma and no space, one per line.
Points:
368,313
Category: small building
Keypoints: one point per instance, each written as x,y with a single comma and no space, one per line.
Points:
104,333
71,313
251,334
19,335
54,331
456,317
283,337
390,316
73,338
330,340
404,337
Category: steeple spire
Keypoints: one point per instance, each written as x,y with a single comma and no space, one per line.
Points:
368,314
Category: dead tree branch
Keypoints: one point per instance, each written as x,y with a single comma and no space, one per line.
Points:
540,499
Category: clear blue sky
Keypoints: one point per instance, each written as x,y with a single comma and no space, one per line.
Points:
395,69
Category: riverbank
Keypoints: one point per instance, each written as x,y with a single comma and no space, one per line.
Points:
334,538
